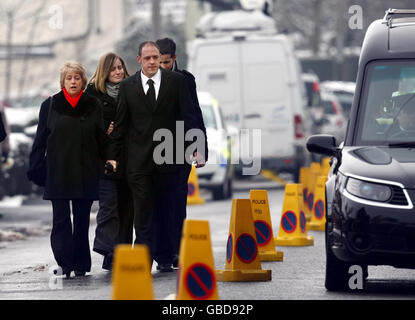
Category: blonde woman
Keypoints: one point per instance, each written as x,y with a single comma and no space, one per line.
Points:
115,215
70,137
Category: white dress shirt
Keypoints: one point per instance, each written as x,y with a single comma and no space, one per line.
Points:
157,81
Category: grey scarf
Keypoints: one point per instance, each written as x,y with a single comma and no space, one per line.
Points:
112,89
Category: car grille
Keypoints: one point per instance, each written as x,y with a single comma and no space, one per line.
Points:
398,197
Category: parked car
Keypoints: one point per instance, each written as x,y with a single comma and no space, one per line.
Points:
22,112
217,175
370,192
312,86
333,120
343,90
22,109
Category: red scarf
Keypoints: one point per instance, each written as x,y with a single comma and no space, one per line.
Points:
72,101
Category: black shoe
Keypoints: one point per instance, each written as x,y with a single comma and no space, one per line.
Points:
80,273
176,261
107,263
165,267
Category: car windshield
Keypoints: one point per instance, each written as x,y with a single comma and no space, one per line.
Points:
25,102
387,113
208,116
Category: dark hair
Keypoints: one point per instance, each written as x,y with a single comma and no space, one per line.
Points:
143,44
167,46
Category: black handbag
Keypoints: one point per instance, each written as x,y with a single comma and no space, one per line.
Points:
38,174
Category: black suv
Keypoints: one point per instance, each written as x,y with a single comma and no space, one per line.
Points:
370,192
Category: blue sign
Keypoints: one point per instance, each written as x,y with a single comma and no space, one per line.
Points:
200,281
289,221
229,247
246,248
319,209
190,189
263,232
303,221
310,200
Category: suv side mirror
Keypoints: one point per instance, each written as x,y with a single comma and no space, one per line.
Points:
323,144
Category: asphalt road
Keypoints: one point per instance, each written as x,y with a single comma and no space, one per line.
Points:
25,262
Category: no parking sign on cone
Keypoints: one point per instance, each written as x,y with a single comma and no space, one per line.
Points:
242,259
193,196
314,172
293,231
196,276
263,226
318,219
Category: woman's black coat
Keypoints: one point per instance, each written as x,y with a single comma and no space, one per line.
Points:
73,140
109,110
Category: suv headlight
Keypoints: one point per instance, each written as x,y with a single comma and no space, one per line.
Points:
368,190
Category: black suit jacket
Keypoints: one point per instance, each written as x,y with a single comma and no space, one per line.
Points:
191,82
137,120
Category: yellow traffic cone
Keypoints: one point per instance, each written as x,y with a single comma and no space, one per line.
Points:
304,173
263,226
196,276
242,259
293,225
314,172
131,275
325,166
318,219
193,196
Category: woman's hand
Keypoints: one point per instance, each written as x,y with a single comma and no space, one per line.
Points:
110,128
113,163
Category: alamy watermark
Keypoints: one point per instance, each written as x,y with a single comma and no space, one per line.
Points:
243,149
55,21
356,280
356,19
55,278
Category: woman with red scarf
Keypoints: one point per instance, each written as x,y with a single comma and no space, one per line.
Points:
70,137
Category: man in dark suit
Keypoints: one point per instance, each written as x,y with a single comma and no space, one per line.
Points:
151,100
168,61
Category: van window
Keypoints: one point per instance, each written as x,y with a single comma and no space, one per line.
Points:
208,116
388,104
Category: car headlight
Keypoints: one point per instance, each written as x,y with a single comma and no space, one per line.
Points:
368,190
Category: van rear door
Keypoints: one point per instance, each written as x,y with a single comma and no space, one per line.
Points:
216,66
266,95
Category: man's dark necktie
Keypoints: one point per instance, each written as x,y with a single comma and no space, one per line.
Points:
151,92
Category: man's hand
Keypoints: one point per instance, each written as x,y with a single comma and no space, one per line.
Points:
110,128
113,163
198,159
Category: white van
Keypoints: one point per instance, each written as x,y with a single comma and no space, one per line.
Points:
257,81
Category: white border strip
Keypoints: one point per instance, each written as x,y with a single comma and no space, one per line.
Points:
376,203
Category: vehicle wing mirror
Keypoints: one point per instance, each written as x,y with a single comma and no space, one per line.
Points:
322,144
